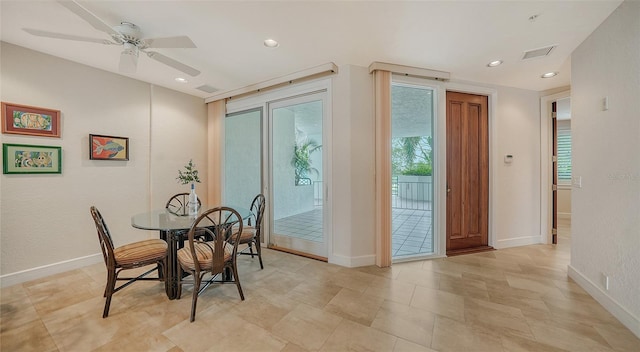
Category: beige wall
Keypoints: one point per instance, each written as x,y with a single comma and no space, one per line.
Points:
605,211
564,203
517,185
353,139
45,218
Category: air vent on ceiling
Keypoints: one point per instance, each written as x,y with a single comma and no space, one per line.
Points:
207,88
531,54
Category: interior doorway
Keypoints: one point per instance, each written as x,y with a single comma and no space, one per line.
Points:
467,173
561,170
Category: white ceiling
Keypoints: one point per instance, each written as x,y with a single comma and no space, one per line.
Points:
454,36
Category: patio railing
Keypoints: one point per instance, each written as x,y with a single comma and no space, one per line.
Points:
317,193
404,195
412,195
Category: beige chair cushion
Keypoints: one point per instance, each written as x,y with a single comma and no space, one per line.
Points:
247,234
138,252
204,254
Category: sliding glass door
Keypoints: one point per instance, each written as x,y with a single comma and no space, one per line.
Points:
280,153
296,164
412,120
242,157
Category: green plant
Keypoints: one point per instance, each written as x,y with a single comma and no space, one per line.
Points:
301,160
190,174
418,169
412,155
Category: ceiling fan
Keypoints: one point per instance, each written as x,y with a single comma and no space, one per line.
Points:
129,36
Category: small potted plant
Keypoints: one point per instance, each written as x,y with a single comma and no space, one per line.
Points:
189,175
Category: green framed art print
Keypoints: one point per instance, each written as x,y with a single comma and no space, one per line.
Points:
31,159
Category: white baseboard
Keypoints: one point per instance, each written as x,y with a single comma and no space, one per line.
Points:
518,241
626,318
353,262
47,270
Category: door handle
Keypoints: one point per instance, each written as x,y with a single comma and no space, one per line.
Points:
448,189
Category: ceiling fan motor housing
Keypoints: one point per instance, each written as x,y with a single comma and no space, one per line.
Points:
129,33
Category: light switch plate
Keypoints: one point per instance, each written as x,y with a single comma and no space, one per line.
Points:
576,181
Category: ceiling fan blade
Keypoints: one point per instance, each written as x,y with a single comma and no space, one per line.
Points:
88,16
170,42
173,63
128,61
47,34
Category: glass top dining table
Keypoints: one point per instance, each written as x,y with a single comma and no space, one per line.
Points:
165,220
172,228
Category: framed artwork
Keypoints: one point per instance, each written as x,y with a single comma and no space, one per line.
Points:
108,147
30,120
31,159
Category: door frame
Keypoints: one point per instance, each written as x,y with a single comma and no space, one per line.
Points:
262,100
546,167
438,110
492,95
270,234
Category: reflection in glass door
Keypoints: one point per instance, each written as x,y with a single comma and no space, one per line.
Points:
412,118
297,174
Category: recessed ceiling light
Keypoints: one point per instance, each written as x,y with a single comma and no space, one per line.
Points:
549,74
494,63
181,80
271,43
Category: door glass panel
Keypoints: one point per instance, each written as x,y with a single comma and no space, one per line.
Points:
297,169
242,157
412,115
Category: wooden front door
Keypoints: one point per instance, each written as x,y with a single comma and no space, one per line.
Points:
467,173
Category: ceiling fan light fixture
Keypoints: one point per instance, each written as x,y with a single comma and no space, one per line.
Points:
549,74
494,63
128,59
130,49
271,43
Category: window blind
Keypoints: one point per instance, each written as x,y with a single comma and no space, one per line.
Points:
564,151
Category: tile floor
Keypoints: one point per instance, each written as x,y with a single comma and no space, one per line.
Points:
411,230
307,225
516,299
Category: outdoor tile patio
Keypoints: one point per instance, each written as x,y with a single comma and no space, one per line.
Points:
412,232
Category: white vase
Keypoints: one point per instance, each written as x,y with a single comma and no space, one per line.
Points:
192,205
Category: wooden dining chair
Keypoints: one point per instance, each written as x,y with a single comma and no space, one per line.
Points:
251,234
217,258
129,256
179,204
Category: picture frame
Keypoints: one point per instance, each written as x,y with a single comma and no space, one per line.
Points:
31,159
30,120
103,147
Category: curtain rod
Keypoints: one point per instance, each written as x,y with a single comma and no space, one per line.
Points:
410,71
296,77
